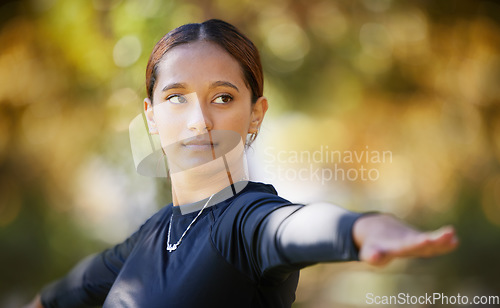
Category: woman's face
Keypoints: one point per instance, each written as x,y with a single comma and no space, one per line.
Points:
201,105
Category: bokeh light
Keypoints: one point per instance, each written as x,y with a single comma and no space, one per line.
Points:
417,79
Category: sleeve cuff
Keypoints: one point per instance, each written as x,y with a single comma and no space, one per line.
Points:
354,251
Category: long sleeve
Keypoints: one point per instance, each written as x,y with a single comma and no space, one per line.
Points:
295,236
253,243
275,237
318,232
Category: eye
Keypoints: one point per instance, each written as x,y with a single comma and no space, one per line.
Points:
223,99
176,99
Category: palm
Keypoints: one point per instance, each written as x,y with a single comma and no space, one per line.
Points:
396,240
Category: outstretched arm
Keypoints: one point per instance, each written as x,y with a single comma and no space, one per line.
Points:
382,238
323,232
87,283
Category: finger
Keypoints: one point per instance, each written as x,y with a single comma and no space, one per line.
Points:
428,244
442,240
432,243
444,232
422,245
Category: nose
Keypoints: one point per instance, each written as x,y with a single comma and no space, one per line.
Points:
198,119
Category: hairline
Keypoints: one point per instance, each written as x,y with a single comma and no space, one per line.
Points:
202,38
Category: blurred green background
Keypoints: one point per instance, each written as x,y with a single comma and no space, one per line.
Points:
420,79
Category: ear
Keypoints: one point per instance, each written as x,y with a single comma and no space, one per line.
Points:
259,110
148,111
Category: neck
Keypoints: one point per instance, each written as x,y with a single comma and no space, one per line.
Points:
201,182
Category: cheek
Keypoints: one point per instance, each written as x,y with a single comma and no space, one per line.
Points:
237,120
169,126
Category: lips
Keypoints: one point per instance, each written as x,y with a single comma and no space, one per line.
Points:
199,142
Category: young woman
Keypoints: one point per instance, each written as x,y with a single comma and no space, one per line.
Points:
224,241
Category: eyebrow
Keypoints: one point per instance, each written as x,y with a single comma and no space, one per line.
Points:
174,85
215,84
222,83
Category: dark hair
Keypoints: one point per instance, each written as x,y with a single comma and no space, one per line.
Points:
221,33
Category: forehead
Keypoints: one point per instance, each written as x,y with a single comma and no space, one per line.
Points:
198,62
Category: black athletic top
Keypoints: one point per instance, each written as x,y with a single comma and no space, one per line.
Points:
245,251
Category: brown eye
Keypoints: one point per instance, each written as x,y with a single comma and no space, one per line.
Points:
223,99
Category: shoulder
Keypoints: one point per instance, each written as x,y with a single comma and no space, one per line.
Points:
252,205
257,196
243,224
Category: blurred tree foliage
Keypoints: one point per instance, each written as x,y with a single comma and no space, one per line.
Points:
420,78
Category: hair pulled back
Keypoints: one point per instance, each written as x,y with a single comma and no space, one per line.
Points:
224,35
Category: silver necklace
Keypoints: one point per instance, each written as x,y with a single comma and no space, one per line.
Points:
172,247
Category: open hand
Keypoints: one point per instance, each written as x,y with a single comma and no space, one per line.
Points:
382,238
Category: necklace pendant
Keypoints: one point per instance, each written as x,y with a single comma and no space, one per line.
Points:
171,247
